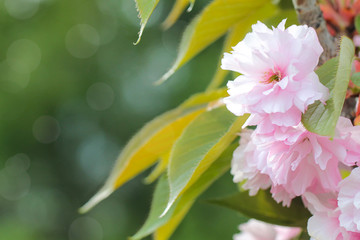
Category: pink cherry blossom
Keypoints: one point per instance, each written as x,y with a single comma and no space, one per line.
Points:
349,201
325,224
258,230
278,79
242,169
294,161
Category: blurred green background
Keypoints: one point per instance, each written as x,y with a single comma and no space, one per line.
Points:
73,90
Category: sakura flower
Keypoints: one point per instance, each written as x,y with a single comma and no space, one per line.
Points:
325,224
242,169
294,161
278,78
258,230
349,201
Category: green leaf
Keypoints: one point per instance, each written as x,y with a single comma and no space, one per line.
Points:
176,11
303,236
217,169
158,205
264,208
163,227
334,74
285,4
145,9
206,97
213,22
153,141
357,23
159,169
289,14
144,149
355,78
199,146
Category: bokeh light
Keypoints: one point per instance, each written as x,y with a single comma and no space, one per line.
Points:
46,129
14,180
34,211
100,96
73,90
12,80
82,41
22,9
23,56
18,163
85,228
95,156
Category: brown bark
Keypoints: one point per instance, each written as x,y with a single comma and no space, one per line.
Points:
309,13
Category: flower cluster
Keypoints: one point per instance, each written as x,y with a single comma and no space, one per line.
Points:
278,83
276,86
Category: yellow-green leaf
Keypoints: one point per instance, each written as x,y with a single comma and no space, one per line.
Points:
176,11
217,169
153,141
201,143
163,227
164,232
145,9
159,169
213,22
206,97
158,204
289,14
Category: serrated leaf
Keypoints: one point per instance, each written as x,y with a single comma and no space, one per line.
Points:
357,23
264,208
165,226
334,74
199,146
176,11
235,35
355,78
151,142
145,9
213,22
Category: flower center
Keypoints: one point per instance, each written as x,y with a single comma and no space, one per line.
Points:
271,77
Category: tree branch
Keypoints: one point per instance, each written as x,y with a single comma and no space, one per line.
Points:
309,13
